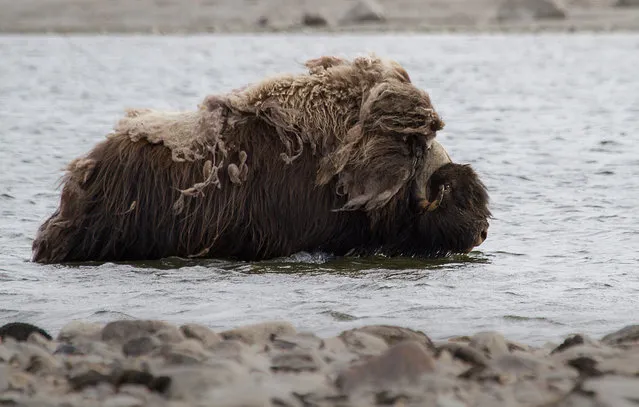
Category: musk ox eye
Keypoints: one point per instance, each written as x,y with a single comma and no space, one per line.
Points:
447,187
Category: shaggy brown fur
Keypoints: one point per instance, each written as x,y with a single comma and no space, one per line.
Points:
339,159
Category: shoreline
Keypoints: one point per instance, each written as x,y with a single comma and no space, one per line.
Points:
337,31
167,17
127,363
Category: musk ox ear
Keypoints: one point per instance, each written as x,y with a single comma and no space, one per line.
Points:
381,152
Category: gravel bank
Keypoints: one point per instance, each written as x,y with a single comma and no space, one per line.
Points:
130,363
241,16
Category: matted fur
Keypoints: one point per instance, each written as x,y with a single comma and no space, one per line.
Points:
335,159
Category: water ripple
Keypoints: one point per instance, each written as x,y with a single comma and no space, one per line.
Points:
552,131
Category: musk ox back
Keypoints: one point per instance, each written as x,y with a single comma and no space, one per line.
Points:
341,159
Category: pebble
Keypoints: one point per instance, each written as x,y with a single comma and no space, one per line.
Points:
123,400
201,333
529,10
314,20
125,330
20,331
259,333
626,335
4,377
79,329
362,343
364,11
492,344
140,346
395,334
405,361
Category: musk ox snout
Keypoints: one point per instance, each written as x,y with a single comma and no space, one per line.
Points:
483,234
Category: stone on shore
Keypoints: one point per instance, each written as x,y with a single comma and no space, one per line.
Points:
125,330
314,20
201,333
404,362
394,334
511,11
627,3
628,335
363,11
259,333
79,329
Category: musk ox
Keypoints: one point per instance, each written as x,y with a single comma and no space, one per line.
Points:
341,159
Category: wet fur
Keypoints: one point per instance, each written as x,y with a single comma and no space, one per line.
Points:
298,164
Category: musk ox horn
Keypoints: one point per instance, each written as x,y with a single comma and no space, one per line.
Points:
436,157
431,206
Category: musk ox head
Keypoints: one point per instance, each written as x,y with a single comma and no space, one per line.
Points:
453,215
451,207
390,157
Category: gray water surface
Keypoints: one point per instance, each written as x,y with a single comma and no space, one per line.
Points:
550,122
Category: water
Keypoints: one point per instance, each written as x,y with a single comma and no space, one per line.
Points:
551,123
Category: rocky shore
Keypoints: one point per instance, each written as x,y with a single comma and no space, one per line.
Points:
131,363
338,16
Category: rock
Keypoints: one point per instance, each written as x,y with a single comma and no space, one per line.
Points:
592,351
314,20
123,400
230,349
23,382
201,333
41,361
237,396
78,329
626,365
137,377
297,361
6,353
259,333
4,377
587,367
404,362
519,364
31,358
141,346
464,353
393,335
569,342
364,11
191,383
20,331
96,349
243,354
42,342
492,344
363,344
613,390
627,3
189,351
623,336
529,10
125,330
305,341
262,21
87,379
